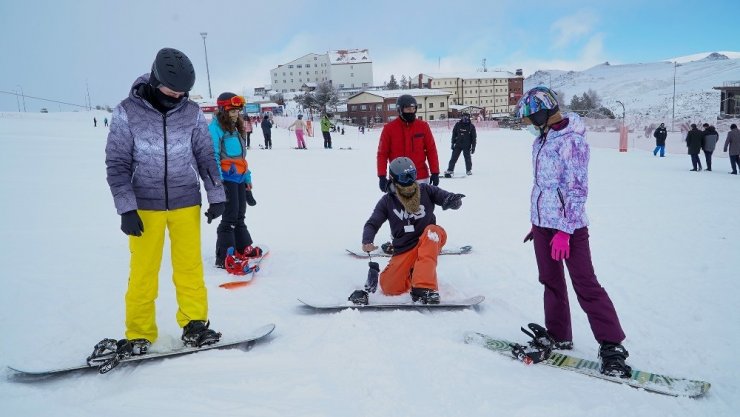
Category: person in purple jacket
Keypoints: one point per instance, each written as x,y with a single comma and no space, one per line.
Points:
560,156
158,151
408,206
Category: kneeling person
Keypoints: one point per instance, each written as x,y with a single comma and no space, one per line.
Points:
417,239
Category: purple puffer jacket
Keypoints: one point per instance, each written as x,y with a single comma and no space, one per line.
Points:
155,162
560,188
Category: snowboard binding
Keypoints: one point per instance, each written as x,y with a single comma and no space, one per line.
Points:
237,263
108,353
538,349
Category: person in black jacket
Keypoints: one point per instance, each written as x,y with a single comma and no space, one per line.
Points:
709,143
267,131
660,134
463,140
694,141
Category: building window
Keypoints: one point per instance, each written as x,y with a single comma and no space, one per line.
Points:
363,107
290,66
441,104
431,105
378,107
351,74
418,106
431,117
315,58
391,107
300,66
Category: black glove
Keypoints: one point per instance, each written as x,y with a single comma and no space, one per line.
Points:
472,151
434,179
215,210
383,183
131,223
529,237
453,201
250,198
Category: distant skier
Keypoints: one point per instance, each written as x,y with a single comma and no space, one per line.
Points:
300,128
709,143
560,155
266,126
105,122
660,135
95,122
732,143
694,141
408,206
326,127
463,140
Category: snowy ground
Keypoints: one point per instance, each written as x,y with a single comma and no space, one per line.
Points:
664,244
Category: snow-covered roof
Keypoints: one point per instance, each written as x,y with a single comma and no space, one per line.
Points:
416,92
472,75
263,105
349,56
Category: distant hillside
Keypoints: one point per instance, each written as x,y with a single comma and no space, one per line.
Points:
646,89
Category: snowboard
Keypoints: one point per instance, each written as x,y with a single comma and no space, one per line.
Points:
453,176
18,374
657,383
239,281
407,305
450,250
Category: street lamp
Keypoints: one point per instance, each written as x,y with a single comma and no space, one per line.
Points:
673,117
24,97
208,73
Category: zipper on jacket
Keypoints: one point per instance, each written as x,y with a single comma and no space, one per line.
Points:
562,203
536,171
166,191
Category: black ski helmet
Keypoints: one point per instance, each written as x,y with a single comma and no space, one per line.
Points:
402,171
405,100
173,69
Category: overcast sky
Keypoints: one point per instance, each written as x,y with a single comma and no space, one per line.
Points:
59,49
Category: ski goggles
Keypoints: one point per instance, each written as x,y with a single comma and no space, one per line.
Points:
407,177
236,102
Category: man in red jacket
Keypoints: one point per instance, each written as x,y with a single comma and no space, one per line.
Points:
411,138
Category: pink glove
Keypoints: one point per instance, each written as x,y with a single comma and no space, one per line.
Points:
560,244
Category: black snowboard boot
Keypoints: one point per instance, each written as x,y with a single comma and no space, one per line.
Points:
197,334
425,296
612,357
359,297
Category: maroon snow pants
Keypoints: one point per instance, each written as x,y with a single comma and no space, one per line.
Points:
592,297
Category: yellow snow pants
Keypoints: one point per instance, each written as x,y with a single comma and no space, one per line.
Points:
187,266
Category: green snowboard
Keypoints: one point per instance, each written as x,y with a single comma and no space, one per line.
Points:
661,384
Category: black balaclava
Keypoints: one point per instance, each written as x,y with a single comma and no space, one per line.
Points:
160,100
408,117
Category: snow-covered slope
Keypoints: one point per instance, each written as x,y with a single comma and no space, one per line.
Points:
646,89
664,244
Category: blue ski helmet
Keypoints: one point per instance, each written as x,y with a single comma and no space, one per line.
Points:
403,171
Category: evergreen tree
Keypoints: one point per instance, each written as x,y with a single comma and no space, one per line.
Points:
404,82
392,84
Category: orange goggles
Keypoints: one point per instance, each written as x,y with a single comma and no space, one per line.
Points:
234,102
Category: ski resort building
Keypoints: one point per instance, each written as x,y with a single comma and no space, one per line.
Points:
369,107
493,92
344,68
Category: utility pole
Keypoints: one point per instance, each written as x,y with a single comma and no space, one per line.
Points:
24,98
89,102
17,101
208,72
673,117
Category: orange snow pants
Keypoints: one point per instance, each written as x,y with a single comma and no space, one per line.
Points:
417,267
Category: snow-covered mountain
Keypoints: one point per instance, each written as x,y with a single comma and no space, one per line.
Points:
647,89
